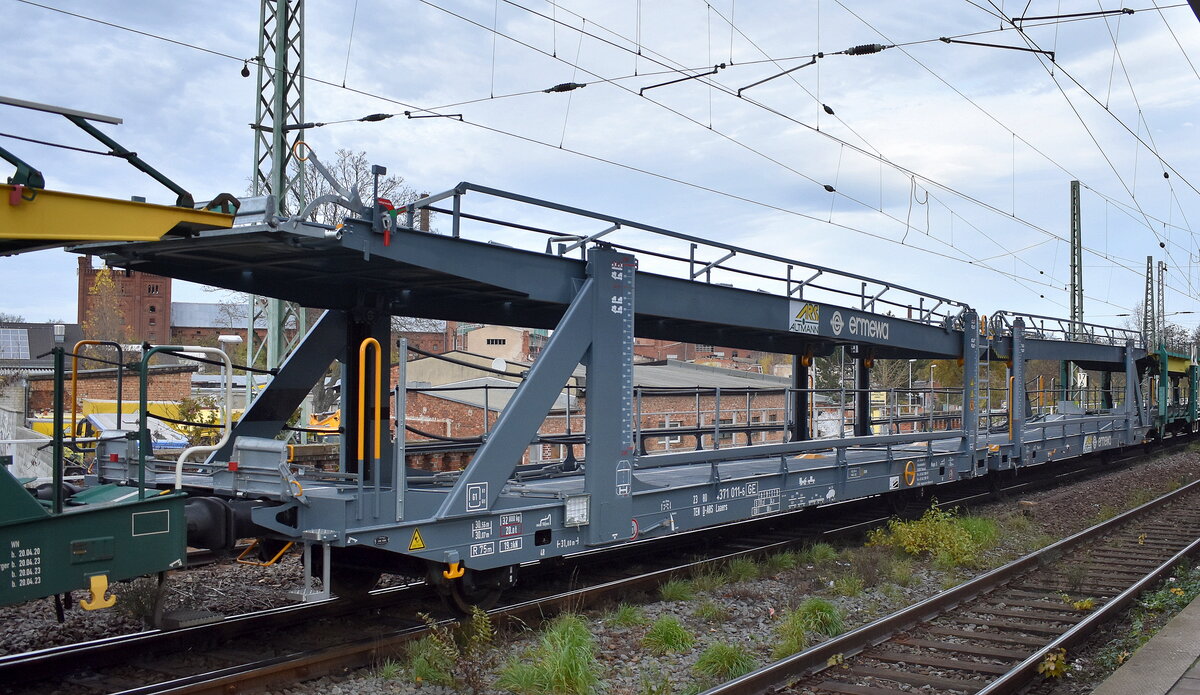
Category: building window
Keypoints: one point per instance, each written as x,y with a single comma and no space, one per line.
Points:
705,349
497,341
152,308
152,289
14,344
153,322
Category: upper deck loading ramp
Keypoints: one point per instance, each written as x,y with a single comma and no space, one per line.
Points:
598,280
490,271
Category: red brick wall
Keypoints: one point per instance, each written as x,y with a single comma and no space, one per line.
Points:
166,384
443,417
145,301
200,335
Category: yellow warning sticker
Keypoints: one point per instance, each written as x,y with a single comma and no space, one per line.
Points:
417,543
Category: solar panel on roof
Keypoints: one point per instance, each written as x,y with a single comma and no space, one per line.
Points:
14,344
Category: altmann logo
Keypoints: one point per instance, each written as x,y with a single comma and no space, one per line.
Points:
869,328
806,319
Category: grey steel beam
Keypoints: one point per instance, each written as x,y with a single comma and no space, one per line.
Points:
862,398
800,398
610,453
1079,353
479,485
1017,398
970,357
306,365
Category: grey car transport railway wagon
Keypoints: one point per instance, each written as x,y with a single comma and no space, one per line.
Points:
598,281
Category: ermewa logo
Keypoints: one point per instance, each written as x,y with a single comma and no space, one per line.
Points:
806,320
836,323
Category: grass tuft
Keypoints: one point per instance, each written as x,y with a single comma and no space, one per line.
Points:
676,590
562,663
780,562
711,612
939,534
627,615
389,670
741,569
429,660
791,634
820,616
818,554
709,580
848,584
667,635
722,661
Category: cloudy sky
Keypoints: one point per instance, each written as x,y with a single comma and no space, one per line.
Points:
950,162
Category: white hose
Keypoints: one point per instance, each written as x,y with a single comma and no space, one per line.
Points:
226,415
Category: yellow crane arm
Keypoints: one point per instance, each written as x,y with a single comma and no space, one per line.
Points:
55,218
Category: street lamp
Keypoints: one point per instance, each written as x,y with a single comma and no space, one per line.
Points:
932,395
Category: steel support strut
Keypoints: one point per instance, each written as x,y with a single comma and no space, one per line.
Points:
597,328
1017,399
610,454
970,357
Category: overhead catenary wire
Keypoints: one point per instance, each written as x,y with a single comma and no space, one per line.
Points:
418,109
1103,153
412,107
876,154
993,118
851,51
408,113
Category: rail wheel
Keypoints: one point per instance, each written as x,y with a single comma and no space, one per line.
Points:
476,588
346,581
352,582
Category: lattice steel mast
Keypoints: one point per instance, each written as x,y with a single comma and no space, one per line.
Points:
279,110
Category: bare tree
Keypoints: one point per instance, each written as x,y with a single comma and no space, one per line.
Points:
351,169
6,317
105,318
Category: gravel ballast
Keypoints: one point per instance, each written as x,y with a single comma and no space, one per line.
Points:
744,613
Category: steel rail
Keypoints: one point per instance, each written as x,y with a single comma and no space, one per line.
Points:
816,658
63,659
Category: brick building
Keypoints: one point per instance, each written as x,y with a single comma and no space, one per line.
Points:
732,407
510,344
429,335
144,300
201,323
167,383
649,349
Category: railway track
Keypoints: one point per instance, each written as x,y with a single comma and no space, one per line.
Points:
294,643
990,635
305,640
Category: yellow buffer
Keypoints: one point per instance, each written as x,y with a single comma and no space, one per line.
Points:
55,218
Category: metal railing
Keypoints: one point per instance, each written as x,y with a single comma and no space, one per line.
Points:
1053,328
690,257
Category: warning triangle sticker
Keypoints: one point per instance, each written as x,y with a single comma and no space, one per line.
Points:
417,543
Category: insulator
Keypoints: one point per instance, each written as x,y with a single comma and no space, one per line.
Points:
864,49
565,87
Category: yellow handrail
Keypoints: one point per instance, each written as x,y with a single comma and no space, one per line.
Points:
75,382
362,398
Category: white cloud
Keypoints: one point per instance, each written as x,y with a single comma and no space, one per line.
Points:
187,112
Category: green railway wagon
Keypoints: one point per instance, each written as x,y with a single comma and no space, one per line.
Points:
102,535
